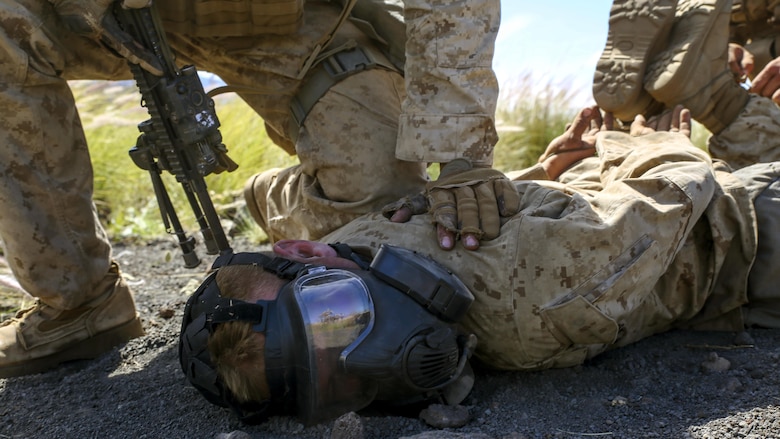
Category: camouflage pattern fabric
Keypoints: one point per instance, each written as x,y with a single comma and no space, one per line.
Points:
344,173
759,117
450,84
649,235
54,241
757,160
751,19
754,25
763,182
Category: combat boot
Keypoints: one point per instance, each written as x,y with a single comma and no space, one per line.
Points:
41,337
638,30
693,70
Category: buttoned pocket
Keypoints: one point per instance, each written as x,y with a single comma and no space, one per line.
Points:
590,314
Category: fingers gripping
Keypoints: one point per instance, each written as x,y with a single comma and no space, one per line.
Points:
126,46
496,199
93,19
472,202
417,204
489,209
443,210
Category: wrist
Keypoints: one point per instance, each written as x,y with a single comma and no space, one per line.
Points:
454,166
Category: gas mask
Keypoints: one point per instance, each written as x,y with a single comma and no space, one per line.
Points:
337,340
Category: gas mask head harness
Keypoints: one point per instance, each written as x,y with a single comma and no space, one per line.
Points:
336,339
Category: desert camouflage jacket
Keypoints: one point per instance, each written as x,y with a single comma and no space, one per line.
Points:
647,236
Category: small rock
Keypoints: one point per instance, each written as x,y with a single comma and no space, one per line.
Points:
166,313
348,426
714,363
445,416
734,385
190,287
618,401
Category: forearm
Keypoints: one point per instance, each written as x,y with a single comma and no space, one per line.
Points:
637,161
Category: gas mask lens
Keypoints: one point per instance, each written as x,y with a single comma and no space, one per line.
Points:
337,313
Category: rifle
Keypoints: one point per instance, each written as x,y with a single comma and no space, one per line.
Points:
181,137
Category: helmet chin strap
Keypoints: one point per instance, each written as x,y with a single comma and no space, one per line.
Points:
282,267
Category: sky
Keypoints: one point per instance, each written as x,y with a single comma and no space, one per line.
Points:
555,41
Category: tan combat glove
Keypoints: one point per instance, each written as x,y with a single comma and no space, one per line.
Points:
92,18
471,201
417,205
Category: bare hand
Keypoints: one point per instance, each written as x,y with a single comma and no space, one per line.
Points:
576,143
676,120
741,62
767,82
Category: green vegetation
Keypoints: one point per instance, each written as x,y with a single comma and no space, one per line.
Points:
530,115
123,192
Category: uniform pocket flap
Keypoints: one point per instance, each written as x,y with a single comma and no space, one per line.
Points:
578,321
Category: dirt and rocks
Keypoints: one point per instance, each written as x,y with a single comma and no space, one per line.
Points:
674,385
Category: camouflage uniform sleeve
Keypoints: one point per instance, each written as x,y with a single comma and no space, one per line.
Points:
535,172
451,87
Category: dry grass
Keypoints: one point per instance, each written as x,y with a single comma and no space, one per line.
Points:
110,114
531,113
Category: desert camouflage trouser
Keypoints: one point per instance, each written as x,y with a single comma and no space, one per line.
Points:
758,166
326,190
751,146
53,240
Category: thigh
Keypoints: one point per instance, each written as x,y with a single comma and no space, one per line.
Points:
348,165
348,142
763,182
36,48
266,70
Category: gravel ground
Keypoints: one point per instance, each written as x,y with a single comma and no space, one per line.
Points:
674,385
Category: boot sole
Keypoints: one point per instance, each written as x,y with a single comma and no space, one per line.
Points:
84,350
637,31
685,49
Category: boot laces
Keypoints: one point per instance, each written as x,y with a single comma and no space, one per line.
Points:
21,315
